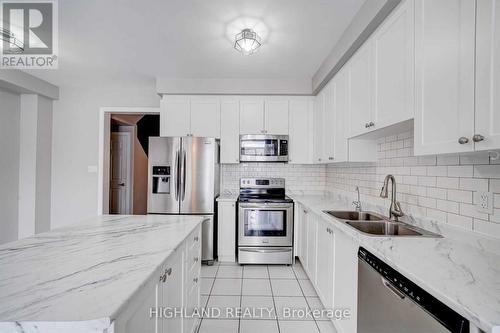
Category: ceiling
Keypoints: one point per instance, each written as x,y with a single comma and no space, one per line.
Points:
194,38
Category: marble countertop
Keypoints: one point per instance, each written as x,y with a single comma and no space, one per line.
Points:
86,272
463,276
228,196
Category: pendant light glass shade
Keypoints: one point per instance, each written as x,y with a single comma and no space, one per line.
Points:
247,42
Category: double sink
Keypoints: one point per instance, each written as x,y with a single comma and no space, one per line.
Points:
373,224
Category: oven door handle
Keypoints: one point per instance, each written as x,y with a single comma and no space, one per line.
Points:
265,206
266,250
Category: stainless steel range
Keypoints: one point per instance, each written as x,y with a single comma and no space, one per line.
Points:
265,222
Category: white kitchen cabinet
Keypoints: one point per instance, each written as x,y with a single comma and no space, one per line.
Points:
276,116
393,50
169,293
340,93
189,116
226,231
300,131
487,108
319,127
444,76
329,122
345,282
325,262
230,131
312,254
302,235
140,320
205,117
191,286
252,116
175,116
360,73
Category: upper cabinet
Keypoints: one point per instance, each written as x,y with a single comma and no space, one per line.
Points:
360,73
487,113
444,62
268,116
393,51
230,131
252,116
337,144
319,126
190,116
300,120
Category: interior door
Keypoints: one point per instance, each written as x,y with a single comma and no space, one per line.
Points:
121,173
163,194
198,158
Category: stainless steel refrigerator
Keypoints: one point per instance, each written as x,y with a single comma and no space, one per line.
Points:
184,180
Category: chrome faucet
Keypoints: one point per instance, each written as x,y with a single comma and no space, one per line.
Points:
357,203
395,211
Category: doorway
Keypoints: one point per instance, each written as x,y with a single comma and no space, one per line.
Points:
125,141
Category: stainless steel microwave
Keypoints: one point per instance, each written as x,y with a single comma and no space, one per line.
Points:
263,148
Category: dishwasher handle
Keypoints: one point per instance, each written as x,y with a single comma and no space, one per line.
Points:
393,289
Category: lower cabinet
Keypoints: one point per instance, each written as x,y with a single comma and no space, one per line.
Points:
226,231
311,248
176,288
325,264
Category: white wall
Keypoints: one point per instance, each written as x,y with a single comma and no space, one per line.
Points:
75,140
9,165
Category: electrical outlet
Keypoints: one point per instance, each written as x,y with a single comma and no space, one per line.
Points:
485,202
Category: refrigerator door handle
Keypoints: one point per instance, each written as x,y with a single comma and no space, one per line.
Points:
176,168
183,176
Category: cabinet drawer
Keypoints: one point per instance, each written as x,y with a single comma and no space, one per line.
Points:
194,239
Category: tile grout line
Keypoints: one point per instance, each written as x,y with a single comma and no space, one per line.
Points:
274,302
305,297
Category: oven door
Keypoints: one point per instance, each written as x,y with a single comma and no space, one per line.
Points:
263,148
265,224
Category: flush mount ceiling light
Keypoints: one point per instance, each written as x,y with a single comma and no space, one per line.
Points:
15,45
247,41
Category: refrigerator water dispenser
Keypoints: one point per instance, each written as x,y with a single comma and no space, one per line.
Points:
161,179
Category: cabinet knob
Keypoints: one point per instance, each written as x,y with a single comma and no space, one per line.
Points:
196,238
367,125
168,272
371,123
477,138
319,159
195,280
196,259
463,140
305,211
330,158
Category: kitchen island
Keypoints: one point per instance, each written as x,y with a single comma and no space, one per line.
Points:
101,275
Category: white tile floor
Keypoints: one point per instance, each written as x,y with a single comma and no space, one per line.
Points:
265,289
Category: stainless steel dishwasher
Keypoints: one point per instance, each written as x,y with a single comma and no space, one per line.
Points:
388,302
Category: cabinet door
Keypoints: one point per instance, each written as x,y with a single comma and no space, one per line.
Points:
300,130
394,67
444,70
345,279
360,71
341,111
230,132
226,232
303,237
175,116
326,250
329,122
252,117
312,222
170,293
205,117
488,74
319,113
276,117
140,319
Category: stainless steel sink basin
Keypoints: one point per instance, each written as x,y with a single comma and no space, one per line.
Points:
354,215
373,224
385,228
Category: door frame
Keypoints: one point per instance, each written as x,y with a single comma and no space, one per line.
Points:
129,134
104,149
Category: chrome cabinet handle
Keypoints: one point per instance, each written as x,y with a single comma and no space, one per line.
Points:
371,123
463,140
195,280
168,271
330,158
305,211
196,259
196,238
477,138
367,125
121,184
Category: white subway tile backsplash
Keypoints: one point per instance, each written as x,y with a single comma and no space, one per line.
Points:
460,196
448,206
447,182
471,211
448,160
437,193
460,171
495,185
496,216
487,171
437,171
487,228
475,158
497,201
460,221
474,184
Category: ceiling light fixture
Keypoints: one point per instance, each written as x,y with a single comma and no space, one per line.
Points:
15,45
247,41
